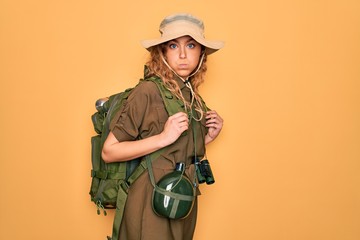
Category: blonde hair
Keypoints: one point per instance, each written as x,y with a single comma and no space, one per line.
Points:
156,67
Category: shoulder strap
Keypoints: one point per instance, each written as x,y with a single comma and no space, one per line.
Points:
123,190
172,104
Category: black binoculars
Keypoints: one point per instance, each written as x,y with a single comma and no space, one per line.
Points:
203,171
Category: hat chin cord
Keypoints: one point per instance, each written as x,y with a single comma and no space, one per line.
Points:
188,84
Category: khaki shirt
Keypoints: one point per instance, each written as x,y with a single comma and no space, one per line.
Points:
142,116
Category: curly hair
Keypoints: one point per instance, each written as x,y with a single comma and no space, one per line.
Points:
156,67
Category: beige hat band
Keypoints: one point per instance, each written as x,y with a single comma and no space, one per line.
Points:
182,17
181,26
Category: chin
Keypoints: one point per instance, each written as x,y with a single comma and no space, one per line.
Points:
183,74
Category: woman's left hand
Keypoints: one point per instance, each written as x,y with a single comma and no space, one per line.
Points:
215,123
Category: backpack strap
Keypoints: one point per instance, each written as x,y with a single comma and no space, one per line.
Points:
119,211
123,192
172,104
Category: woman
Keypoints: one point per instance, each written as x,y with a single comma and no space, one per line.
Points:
143,126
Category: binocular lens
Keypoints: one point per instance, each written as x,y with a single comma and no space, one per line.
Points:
204,173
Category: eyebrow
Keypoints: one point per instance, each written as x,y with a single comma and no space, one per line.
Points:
187,41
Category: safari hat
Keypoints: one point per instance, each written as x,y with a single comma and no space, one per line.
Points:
183,24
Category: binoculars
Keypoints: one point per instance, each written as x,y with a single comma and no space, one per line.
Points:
203,171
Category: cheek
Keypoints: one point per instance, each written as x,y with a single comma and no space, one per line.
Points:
195,58
170,58
195,54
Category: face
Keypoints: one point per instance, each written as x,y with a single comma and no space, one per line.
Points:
183,55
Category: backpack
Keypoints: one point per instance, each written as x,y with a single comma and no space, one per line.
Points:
111,181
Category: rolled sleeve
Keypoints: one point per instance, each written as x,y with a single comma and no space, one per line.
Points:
142,114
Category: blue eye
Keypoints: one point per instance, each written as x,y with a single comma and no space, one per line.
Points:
172,45
191,45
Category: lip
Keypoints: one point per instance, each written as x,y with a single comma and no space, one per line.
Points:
183,66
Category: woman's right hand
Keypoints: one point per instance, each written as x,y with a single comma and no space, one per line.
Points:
174,127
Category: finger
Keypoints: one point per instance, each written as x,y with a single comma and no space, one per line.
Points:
180,116
215,118
212,115
209,114
212,125
183,126
177,118
212,120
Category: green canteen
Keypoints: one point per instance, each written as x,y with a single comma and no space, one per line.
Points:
174,195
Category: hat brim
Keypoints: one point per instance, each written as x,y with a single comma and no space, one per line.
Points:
211,46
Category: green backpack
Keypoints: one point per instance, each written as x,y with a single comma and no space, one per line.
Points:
111,181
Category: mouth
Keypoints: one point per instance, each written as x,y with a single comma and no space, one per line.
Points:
183,66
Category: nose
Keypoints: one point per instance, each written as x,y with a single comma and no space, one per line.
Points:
182,53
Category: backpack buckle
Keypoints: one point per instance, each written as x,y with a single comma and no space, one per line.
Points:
124,185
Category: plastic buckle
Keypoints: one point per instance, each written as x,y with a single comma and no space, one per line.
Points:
124,185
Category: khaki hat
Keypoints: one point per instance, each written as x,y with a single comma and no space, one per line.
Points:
183,24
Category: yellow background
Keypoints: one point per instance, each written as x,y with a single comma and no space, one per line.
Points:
287,84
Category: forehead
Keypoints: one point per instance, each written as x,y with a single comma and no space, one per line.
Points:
182,39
